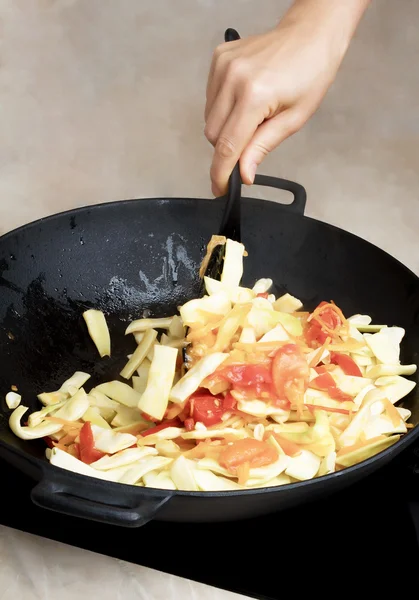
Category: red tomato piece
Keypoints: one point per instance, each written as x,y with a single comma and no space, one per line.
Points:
207,409
246,375
163,425
326,383
346,363
289,368
87,450
248,450
262,295
189,424
229,403
49,442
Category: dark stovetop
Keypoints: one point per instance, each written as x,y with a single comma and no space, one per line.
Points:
371,529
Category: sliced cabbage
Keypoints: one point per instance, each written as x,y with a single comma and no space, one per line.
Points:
167,448
405,413
395,388
323,357
74,383
106,406
223,432
122,458
276,481
388,370
98,331
121,392
68,388
268,472
209,482
385,345
161,480
191,381
232,272
13,400
64,460
359,398
349,456
75,407
262,286
290,323
137,470
350,384
210,464
110,442
38,416
93,415
277,334
259,408
168,433
247,336
30,433
176,328
322,400
196,311
126,416
355,428
237,295
140,353
155,397
141,325
303,466
382,424
287,304
182,473
327,465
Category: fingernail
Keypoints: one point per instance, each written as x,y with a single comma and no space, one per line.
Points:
252,171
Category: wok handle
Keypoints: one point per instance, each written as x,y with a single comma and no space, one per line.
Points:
298,191
52,496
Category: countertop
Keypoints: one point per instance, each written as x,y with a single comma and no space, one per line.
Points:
104,100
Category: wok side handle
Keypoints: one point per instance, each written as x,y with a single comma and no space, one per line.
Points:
46,494
297,190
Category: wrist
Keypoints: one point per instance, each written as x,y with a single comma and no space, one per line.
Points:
333,20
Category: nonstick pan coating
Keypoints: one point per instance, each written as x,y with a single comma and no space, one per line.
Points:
141,257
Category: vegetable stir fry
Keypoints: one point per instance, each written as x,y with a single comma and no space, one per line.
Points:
268,394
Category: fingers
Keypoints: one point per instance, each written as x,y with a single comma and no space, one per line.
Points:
266,138
233,138
220,111
219,64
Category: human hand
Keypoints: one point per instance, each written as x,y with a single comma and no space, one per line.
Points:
263,88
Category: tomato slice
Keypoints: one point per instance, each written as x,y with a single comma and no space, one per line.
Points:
246,375
229,403
207,409
262,295
87,450
314,334
290,372
346,363
189,424
163,425
255,452
326,383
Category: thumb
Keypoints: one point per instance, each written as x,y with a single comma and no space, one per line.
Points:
266,138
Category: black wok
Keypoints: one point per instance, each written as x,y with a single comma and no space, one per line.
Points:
142,257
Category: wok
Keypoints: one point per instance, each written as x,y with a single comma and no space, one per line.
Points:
141,257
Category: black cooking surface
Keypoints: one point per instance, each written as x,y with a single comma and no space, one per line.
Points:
370,530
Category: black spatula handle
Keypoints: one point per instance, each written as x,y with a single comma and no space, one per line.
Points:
230,224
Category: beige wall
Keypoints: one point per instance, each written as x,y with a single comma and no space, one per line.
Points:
103,100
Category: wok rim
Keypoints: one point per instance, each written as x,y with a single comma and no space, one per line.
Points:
383,457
